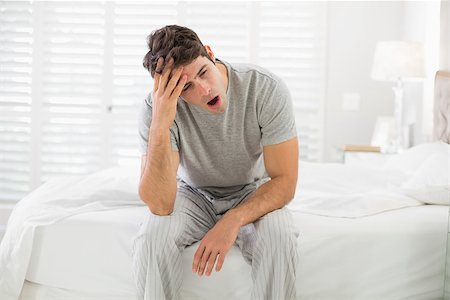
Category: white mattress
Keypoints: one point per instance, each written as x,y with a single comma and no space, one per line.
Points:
397,254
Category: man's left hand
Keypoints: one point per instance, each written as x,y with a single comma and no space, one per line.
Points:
216,243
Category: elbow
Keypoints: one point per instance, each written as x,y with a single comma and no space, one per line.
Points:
290,194
290,189
155,206
159,211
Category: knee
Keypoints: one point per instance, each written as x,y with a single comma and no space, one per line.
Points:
158,231
277,232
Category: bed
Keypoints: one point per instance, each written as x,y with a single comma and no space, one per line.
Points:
365,233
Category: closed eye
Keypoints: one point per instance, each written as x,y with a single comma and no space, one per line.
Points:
187,86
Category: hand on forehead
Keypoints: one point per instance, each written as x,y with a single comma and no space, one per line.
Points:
160,65
163,68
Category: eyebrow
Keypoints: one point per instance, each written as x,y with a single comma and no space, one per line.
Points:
198,73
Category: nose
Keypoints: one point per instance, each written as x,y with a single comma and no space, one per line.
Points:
204,88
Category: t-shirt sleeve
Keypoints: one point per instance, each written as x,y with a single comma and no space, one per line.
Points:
276,117
144,122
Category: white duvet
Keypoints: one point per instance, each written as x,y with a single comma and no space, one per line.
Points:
419,175
323,189
337,190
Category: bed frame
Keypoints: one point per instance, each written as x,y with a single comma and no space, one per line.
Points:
442,133
442,107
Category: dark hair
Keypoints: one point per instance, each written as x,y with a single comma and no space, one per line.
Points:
178,42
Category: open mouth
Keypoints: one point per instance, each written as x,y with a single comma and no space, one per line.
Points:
214,101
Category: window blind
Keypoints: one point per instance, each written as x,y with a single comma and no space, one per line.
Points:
71,76
291,44
69,69
16,32
228,32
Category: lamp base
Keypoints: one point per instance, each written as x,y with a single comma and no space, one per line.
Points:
399,142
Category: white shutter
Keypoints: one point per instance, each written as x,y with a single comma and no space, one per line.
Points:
71,74
225,26
15,99
292,45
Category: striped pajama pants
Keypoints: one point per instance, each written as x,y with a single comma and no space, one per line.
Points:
269,245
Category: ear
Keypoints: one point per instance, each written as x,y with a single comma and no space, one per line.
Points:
210,52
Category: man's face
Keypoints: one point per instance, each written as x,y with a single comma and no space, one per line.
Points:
206,85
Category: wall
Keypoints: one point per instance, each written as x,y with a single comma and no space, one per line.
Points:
354,29
444,63
421,23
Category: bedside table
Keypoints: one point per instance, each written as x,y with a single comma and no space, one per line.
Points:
363,155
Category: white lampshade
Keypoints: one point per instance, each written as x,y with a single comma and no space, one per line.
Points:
396,60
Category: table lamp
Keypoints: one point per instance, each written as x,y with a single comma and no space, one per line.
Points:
398,61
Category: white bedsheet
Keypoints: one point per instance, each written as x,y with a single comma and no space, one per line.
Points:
393,255
398,254
333,191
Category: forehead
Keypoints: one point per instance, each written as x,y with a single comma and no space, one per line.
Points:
195,66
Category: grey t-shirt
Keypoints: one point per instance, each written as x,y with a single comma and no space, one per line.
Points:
221,155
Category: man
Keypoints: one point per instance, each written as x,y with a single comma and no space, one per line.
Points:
228,132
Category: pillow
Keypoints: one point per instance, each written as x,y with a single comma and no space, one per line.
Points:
430,182
411,159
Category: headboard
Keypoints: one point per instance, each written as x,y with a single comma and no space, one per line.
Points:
441,123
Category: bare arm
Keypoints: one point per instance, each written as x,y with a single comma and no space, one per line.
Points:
158,186
281,162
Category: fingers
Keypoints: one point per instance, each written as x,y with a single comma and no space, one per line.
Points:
220,261
165,74
211,262
206,259
179,87
202,258
167,80
203,262
197,257
158,71
174,83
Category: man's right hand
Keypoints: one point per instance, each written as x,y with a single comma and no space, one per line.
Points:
168,85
